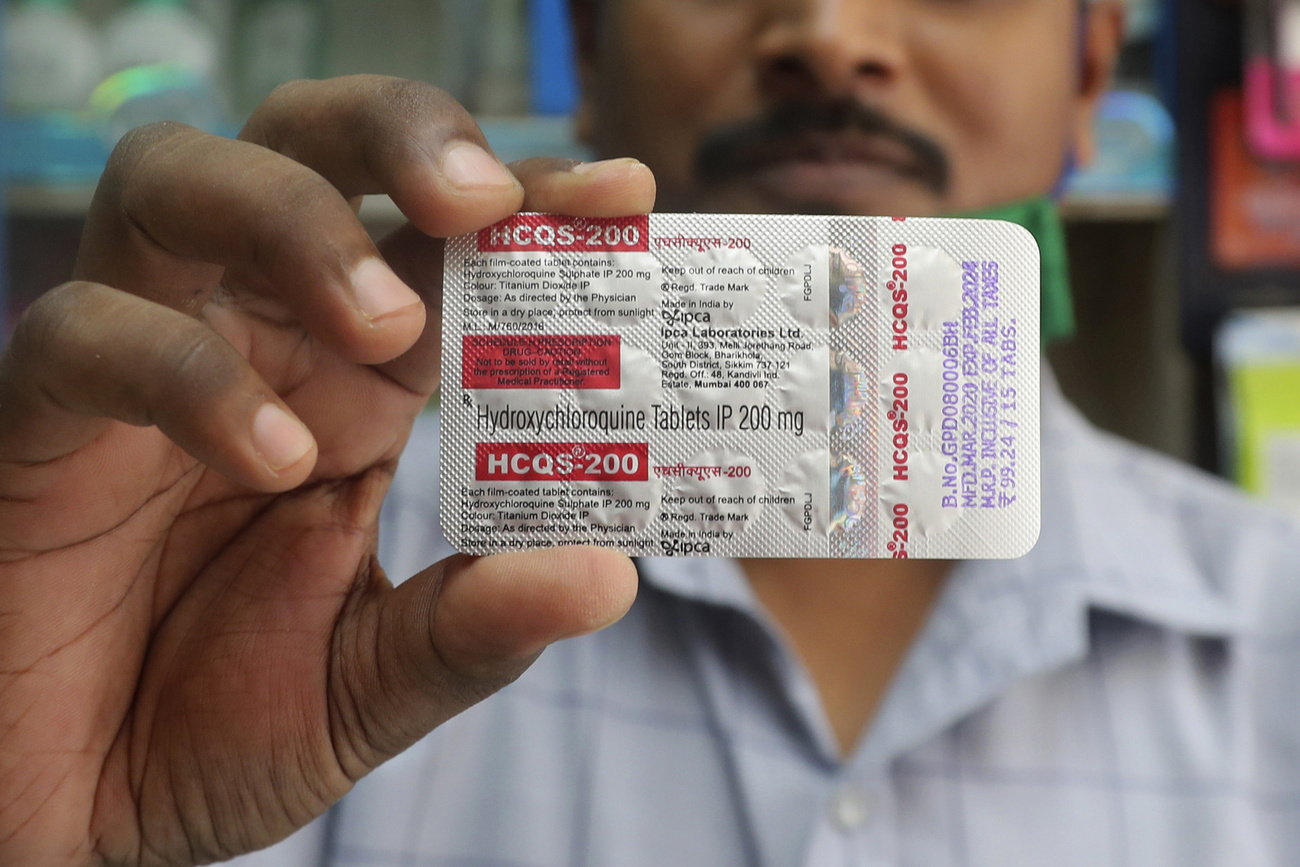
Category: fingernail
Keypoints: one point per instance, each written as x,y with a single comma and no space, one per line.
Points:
469,166
280,439
622,164
379,291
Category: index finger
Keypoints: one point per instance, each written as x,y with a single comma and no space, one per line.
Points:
369,134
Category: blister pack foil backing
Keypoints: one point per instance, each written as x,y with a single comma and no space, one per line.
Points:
742,386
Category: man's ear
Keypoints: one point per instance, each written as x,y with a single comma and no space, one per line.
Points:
585,40
1102,38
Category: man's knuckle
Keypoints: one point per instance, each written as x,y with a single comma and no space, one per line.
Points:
302,191
414,105
41,331
199,363
290,225
199,353
134,150
279,107
285,95
403,97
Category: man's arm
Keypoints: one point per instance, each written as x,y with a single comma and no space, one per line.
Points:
198,650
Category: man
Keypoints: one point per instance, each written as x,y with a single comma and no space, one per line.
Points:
199,651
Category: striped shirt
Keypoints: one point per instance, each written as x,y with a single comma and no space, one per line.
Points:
1126,694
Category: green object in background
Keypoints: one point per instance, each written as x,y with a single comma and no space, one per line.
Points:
1266,402
144,94
1043,221
1259,353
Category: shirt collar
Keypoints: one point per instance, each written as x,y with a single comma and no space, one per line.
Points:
1111,541
710,580
1115,513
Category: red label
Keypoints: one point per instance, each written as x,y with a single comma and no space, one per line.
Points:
546,233
564,361
562,462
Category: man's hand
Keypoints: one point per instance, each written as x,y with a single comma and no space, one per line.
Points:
198,651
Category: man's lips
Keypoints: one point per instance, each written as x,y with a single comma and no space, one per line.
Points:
827,166
833,147
841,139
805,181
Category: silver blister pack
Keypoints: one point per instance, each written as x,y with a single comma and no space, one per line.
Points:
742,386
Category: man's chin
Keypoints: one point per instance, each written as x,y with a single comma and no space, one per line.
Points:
810,189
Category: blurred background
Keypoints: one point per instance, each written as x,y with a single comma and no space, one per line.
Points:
1184,233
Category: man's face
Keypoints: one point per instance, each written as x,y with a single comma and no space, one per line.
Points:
842,106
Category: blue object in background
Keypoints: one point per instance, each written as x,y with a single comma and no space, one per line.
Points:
1135,149
4,210
64,148
4,263
555,79
51,149
146,94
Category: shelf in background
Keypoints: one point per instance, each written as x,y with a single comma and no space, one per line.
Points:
48,202
1117,208
511,138
519,138
27,200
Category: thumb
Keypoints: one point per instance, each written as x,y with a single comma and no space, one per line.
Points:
405,660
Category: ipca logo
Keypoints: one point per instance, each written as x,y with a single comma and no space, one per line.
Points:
673,316
678,548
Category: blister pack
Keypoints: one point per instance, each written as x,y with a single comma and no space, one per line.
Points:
742,386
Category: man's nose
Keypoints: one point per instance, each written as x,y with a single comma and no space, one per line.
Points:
821,48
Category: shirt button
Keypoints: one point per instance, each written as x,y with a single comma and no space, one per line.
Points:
850,808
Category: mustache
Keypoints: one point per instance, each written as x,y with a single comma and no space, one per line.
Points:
792,129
